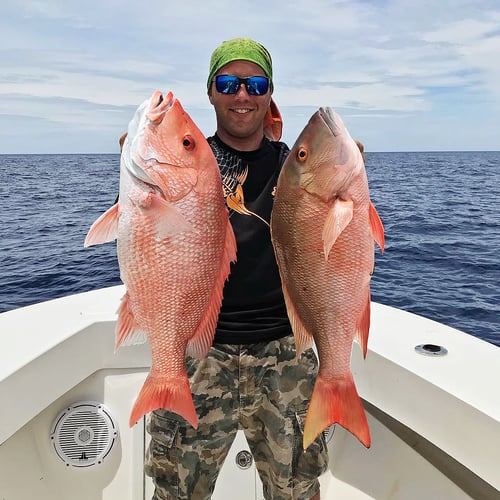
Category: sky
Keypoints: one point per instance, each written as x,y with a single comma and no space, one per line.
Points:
405,75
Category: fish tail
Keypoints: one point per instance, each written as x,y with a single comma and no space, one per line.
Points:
172,394
332,402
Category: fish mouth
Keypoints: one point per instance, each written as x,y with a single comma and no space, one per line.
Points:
332,120
159,105
155,111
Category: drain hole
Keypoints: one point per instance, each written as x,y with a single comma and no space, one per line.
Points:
431,350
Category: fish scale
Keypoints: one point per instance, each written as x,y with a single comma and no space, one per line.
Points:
174,243
323,228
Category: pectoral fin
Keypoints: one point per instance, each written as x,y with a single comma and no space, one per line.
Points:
169,221
104,229
337,220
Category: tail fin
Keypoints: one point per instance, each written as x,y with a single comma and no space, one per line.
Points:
336,402
173,394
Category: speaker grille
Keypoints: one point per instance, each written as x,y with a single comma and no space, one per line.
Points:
84,434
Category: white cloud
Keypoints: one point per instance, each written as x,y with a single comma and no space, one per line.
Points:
367,97
88,66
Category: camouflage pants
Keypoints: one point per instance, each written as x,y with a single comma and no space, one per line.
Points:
259,388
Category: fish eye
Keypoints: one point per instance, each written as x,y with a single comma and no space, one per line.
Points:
302,154
188,143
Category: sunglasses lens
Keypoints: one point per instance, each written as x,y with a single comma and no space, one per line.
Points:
229,84
257,85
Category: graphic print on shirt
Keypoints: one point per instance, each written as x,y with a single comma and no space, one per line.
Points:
233,175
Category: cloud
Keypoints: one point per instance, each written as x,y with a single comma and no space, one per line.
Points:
474,45
88,68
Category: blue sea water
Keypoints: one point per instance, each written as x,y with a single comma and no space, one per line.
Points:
440,211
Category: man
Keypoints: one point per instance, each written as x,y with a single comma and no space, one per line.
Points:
250,379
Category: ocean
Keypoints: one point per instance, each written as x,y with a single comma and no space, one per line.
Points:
440,211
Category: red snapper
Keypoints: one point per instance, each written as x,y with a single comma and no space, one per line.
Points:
323,230
174,244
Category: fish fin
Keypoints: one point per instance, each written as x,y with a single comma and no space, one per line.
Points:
127,332
303,339
336,401
337,220
104,229
173,393
169,221
229,250
363,328
201,341
376,227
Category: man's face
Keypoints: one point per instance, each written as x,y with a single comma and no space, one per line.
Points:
239,116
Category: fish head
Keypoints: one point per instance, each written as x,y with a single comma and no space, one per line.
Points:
164,147
325,157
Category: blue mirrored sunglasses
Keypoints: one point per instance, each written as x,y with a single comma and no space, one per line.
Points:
230,84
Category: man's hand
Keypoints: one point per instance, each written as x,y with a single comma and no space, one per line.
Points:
361,148
122,140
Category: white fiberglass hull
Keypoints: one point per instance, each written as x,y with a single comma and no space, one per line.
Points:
434,420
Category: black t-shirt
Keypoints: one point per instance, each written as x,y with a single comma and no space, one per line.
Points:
253,309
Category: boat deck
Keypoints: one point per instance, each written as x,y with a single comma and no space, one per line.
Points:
435,420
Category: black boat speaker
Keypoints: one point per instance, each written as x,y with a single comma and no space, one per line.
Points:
84,434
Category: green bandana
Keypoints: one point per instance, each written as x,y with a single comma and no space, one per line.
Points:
240,49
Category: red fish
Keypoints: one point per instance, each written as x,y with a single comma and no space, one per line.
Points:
323,228
174,243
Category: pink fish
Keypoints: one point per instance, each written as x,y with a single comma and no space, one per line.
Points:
323,229
175,244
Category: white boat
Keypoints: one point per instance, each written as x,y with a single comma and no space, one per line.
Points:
65,396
